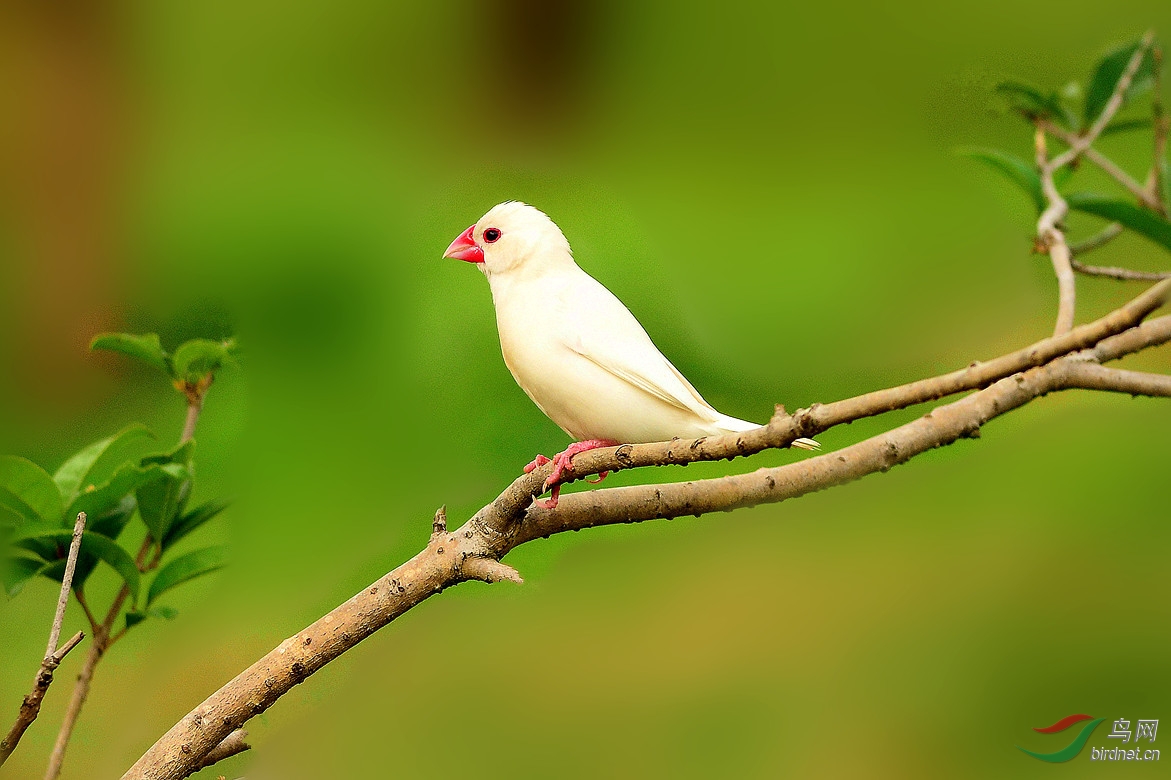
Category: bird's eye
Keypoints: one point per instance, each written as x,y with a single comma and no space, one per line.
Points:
491,235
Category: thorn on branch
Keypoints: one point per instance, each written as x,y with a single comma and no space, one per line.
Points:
489,570
439,525
231,745
64,649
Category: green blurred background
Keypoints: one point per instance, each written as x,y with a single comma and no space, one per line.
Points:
772,191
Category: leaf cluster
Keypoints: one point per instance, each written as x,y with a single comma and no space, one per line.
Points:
154,489
190,363
1075,108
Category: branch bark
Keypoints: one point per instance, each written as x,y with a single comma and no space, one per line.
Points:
54,654
451,557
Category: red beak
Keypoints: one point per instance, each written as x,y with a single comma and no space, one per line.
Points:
464,248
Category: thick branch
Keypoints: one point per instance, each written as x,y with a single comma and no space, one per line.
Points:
453,557
31,706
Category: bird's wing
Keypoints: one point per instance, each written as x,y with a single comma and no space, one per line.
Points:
597,326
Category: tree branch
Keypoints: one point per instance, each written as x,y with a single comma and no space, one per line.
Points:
451,557
937,428
31,706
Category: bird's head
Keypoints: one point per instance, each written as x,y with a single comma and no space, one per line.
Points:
511,237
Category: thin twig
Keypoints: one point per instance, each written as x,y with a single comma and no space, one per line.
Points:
512,519
1092,376
1079,144
192,420
1096,241
1052,238
1162,125
66,584
76,700
31,705
102,639
70,643
1121,274
1115,172
93,621
233,744
1108,166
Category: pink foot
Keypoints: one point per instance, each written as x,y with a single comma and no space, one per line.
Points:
538,461
563,467
563,461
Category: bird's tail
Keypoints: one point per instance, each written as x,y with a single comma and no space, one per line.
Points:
734,425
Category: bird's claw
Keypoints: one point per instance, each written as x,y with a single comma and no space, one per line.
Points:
563,467
536,462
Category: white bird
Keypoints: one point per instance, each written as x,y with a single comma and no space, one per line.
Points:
574,349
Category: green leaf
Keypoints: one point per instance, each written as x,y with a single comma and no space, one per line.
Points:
1107,73
145,347
126,480
1018,171
186,567
133,618
1033,104
158,501
113,522
192,520
161,501
15,572
182,455
78,470
1138,219
1125,125
166,613
101,547
28,490
196,358
27,538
